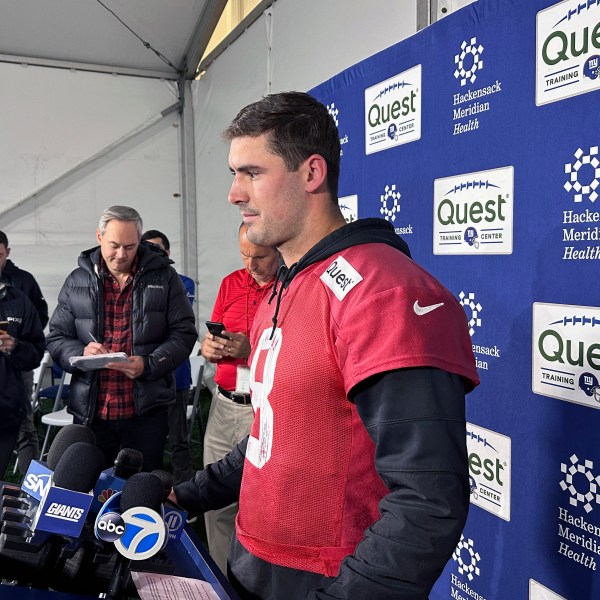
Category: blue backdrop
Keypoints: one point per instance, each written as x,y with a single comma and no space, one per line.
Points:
478,139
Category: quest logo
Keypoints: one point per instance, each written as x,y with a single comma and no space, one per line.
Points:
489,470
393,111
566,353
473,213
567,50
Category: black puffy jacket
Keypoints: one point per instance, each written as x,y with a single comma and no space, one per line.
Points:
24,325
162,325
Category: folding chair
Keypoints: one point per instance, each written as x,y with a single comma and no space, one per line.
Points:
194,409
59,417
38,380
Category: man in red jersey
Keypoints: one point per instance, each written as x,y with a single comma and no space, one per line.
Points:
353,482
231,416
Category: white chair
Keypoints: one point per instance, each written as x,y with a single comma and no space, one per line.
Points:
38,379
194,411
59,417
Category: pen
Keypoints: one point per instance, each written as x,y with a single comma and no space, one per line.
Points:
93,338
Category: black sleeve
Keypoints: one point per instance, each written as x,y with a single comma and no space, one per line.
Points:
416,417
38,300
216,486
29,350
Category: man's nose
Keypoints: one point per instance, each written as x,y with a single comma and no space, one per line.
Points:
236,192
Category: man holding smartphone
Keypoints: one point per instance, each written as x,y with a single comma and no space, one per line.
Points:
227,345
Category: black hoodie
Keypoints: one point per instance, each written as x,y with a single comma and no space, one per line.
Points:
24,325
363,231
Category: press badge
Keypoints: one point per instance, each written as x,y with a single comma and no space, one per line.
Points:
242,381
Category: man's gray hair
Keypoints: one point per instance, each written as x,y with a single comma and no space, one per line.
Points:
121,213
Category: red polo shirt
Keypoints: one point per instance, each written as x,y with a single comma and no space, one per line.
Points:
236,304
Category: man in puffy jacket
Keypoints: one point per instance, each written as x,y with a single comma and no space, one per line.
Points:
21,349
123,297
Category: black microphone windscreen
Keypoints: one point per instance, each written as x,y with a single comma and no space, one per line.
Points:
167,481
67,436
79,467
128,463
142,489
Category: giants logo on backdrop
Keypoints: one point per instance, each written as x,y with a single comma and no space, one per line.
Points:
579,528
473,310
537,591
567,50
489,470
349,207
566,353
334,111
471,100
467,560
473,213
581,231
389,202
393,111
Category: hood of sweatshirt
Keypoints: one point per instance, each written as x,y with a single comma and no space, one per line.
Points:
362,231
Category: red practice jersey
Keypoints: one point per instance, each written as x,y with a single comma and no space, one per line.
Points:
310,488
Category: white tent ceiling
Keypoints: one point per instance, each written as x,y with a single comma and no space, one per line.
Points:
83,34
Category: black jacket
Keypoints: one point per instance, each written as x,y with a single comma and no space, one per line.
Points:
24,325
25,281
162,325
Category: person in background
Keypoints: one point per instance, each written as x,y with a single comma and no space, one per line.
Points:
181,457
27,440
123,297
353,482
230,417
21,350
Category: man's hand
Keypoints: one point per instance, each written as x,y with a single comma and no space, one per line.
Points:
7,343
215,348
133,368
94,348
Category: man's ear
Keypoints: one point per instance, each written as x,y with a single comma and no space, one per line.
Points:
98,236
316,172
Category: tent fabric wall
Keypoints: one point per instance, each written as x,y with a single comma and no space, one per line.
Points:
293,45
53,120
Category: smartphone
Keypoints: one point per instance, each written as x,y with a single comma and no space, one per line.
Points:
3,326
216,328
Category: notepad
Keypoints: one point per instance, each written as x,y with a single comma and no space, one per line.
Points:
96,361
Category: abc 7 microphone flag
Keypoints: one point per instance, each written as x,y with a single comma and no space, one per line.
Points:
138,532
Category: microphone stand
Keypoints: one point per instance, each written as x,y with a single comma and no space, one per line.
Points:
119,579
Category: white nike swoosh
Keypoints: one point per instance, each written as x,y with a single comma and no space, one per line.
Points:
423,310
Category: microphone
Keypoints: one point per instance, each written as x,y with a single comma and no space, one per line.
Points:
58,519
37,479
127,463
66,437
167,482
64,507
174,516
144,532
